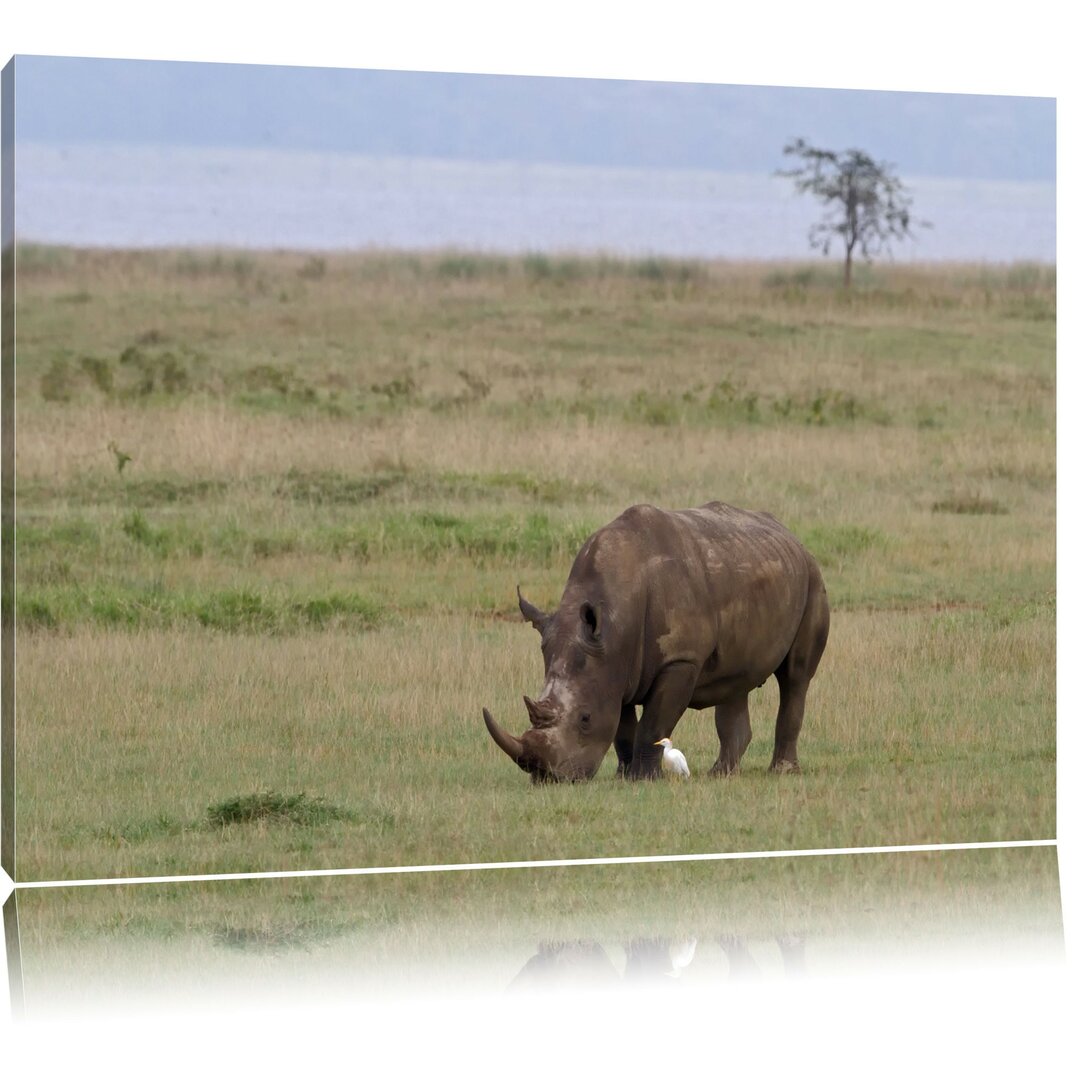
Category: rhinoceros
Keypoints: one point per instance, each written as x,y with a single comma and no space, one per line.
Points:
672,610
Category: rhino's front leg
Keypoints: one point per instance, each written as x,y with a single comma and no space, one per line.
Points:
624,739
666,702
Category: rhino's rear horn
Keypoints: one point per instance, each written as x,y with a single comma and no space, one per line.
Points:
539,715
504,740
533,614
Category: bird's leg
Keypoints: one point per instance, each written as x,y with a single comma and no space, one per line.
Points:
733,728
666,702
624,738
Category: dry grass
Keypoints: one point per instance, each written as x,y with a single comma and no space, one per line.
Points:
300,580
895,751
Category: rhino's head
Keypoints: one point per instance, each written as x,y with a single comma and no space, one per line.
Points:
573,723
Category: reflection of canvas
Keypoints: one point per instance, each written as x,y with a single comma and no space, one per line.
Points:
675,928
273,507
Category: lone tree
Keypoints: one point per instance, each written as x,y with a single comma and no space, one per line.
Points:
866,206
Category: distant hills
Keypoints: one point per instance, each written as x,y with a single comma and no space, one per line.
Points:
520,118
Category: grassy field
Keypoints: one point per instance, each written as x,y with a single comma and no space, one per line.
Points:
272,509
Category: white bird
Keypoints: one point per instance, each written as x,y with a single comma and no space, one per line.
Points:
673,762
681,955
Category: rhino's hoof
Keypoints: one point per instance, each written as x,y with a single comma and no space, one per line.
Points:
784,767
724,768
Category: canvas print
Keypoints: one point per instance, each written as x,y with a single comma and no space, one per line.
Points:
419,469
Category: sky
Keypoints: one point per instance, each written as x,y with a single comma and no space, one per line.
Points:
728,128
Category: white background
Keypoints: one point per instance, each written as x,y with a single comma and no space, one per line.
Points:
949,1024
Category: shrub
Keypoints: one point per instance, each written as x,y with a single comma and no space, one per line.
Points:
276,808
57,384
968,504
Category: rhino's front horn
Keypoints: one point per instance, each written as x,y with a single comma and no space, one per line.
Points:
503,739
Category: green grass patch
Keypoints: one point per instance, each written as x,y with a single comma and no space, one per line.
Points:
968,504
158,491
122,488
332,488
276,809
275,938
668,271
231,611
466,266
818,275
110,553
136,528
557,490
328,487
430,535
140,831
192,263
833,545
727,402
136,374
314,487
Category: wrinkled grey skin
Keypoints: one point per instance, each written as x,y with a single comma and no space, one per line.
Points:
670,610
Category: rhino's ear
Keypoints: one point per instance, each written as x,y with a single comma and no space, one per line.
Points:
590,622
531,613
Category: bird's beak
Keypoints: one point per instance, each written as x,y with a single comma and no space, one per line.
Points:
659,743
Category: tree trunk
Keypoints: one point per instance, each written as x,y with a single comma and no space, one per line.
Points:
849,247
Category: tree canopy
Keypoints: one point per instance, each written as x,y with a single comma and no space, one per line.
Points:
866,205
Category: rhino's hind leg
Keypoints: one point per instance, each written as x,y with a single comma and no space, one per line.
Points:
733,728
795,673
788,724
624,738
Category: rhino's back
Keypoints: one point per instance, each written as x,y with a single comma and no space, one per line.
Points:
719,534
696,558
726,588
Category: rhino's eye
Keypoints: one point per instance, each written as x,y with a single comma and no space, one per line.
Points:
584,721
